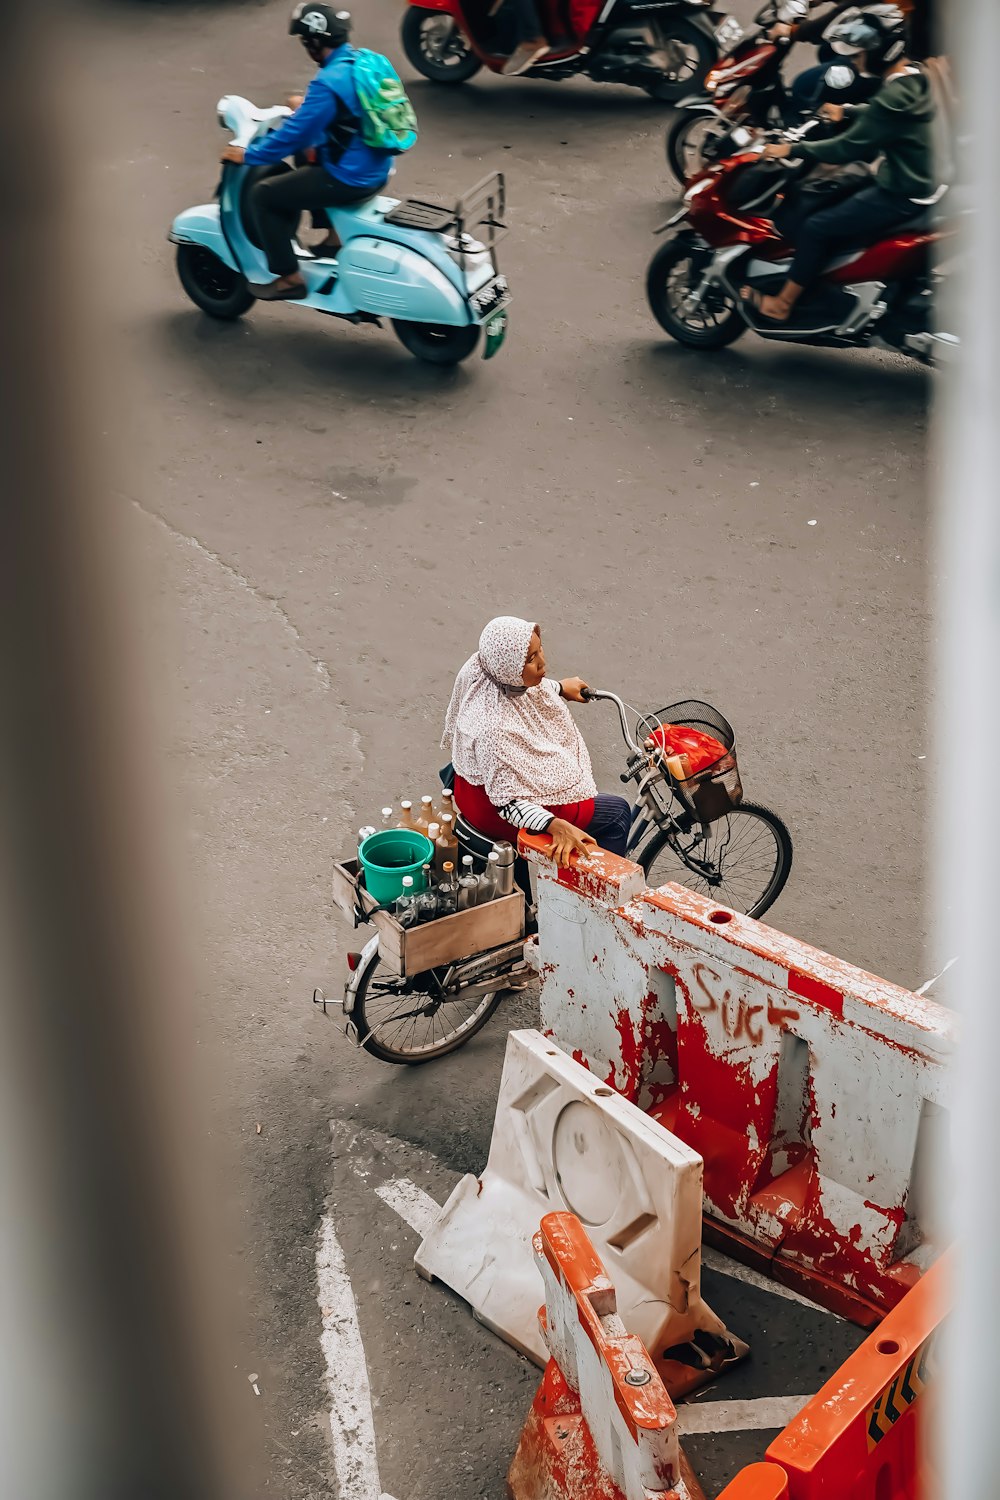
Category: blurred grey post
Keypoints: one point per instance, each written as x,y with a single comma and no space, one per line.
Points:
967,875
106,1374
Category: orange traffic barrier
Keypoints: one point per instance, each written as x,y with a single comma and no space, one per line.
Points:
757,1482
862,1436
601,1426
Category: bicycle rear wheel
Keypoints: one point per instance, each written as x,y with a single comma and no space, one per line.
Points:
747,858
401,1023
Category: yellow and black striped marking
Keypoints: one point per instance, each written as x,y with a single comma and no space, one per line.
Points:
891,1402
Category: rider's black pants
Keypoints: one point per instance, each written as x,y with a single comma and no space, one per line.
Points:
277,204
860,219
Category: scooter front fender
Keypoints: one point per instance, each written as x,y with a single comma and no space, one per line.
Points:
201,226
390,280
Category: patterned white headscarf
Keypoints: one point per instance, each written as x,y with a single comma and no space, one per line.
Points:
517,742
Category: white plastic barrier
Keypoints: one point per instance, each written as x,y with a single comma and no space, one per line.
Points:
602,1421
562,1140
812,1090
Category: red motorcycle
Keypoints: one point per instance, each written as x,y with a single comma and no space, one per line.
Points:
880,295
663,46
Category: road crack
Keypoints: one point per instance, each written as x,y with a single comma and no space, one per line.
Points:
240,579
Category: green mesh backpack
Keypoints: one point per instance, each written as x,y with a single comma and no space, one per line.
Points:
388,121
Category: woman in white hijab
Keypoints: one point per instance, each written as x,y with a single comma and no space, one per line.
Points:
519,759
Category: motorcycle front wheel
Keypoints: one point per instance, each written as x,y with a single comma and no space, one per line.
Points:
437,343
747,855
437,47
674,275
688,53
690,140
212,285
414,1026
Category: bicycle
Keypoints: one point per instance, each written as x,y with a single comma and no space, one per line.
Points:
696,831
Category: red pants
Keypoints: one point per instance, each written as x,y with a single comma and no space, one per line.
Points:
477,809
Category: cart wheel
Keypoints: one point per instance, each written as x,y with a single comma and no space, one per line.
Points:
402,1021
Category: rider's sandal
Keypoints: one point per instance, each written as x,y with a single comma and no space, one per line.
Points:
276,291
751,297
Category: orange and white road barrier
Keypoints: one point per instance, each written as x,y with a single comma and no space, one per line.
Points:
562,1140
813,1091
602,1426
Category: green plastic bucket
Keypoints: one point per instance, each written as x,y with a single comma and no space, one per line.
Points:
387,856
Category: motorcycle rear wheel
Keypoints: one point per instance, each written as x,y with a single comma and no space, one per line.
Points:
691,52
417,1038
212,285
454,63
674,271
437,343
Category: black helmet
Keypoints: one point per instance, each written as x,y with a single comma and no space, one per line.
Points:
320,24
879,31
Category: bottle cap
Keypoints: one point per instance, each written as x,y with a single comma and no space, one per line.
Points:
387,812
427,801
493,858
404,803
467,859
407,882
433,831
447,818
448,867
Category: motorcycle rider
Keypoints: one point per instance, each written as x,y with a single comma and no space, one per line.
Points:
347,170
796,23
895,125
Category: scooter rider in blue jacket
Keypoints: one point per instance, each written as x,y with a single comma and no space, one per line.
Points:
347,169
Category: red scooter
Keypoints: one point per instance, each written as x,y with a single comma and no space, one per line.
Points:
725,237
663,46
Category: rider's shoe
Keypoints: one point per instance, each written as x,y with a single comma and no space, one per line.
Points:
524,57
326,249
285,289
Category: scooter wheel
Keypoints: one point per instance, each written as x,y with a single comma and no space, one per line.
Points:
437,343
212,285
440,54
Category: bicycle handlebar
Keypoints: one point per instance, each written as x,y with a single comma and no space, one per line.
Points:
598,695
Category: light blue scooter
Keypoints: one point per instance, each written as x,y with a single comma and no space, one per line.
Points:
431,270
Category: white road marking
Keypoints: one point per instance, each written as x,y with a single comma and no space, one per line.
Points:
714,1260
739,1416
925,987
352,1423
412,1204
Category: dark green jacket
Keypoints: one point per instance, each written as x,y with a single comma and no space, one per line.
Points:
896,125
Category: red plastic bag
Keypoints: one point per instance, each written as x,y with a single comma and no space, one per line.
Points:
702,750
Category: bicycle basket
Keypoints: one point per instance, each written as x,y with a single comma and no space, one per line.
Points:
713,787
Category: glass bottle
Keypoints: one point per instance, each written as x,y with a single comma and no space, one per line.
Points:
425,902
405,818
505,868
468,885
364,833
448,890
488,880
406,914
388,818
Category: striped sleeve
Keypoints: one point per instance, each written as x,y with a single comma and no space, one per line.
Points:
527,815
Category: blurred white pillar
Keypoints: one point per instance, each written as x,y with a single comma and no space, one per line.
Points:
966,560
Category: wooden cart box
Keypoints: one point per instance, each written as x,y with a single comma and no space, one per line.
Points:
411,950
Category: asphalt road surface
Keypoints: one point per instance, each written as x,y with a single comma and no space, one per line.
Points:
322,525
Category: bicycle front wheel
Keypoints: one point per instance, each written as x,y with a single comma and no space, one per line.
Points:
401,1023
743,863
